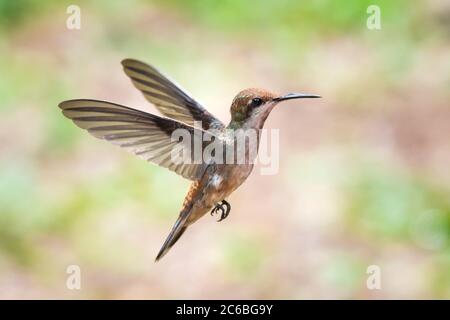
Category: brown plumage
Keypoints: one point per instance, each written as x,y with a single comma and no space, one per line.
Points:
150,136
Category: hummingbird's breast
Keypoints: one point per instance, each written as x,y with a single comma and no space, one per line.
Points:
223,179
218,182
229,177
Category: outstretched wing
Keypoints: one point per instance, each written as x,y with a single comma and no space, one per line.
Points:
169,98
144,134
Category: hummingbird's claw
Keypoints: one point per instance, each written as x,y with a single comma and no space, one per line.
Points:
227,211
224,208
215,209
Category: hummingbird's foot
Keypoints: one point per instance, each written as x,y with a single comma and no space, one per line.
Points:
224,207
217,208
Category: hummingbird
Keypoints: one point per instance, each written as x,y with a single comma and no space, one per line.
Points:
149,136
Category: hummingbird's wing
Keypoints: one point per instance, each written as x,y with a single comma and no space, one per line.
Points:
142,133
170,99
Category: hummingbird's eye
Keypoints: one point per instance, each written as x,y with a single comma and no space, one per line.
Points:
256,102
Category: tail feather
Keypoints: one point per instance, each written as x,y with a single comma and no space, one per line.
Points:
175,234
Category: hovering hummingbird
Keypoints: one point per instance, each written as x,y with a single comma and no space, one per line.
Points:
149,136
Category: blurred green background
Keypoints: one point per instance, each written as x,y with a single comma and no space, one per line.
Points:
364,173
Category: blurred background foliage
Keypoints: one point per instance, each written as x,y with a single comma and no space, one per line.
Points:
364,173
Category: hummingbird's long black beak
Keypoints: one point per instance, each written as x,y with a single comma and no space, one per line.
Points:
290,96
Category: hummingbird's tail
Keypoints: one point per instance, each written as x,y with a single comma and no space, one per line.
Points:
175,234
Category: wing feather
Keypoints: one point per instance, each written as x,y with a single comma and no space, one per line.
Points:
168,97
144,134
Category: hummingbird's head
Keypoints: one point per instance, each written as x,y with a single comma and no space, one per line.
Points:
251,107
